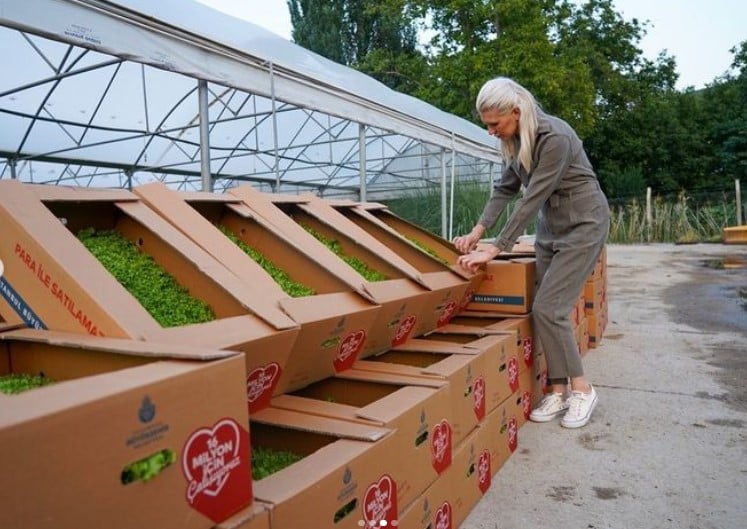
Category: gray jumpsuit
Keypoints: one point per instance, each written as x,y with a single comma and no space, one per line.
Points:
572,225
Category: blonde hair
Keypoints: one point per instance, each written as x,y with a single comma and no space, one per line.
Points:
504,95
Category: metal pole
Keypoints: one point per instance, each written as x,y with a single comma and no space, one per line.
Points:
739,202
205,173
275,126
12,163
444,206
453,179
649,215
362,160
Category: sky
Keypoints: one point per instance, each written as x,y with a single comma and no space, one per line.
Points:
698,33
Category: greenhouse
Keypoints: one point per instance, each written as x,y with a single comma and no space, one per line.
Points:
118,94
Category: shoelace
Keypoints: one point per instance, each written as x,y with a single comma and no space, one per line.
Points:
575,401
550,402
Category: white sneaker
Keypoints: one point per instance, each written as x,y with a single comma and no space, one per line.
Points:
551,405
580,406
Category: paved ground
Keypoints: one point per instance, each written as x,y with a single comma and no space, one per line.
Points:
667,446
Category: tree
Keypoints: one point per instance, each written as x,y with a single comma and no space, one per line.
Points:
379,39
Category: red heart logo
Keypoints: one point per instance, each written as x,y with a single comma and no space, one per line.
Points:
441,446
526,402
380,502
483,471
513,434
348,351
526,346
479,397
447,313
260,384
513,374
443,516
467,298
217,467
404,330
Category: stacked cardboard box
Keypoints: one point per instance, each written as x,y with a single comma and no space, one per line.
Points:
595,299
400,399
441,288
126,434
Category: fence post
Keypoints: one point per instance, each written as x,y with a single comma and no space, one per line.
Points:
739,202
649,215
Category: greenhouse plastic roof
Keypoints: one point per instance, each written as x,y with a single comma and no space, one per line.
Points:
109,93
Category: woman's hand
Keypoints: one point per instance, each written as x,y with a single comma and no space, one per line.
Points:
467,243
473,260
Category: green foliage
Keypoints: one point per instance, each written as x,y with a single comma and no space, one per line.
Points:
169,303
19,382
290,287
359,266
678,220
267,461
149,467
582,61
428,250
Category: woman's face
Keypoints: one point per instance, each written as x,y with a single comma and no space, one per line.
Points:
505,125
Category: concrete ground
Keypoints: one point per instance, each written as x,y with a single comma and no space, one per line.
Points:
667,445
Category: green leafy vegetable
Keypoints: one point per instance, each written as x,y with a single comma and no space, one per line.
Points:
158,292
20,382
149,467
426,249
267,461
290,287
359,266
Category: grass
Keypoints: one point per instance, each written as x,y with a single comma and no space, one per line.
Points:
679,219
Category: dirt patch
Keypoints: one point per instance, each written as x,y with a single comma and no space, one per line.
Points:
608,493
561,493
714,300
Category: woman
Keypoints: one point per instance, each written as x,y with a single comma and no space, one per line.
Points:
543,153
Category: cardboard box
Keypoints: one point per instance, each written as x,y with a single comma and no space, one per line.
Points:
500,365
335,322
595,291
463,370
502,431
51,281
521,326
432,509
471,474
402,299
69,447
417,408
344,480
508,287
443,290
533,386
426,251
256,516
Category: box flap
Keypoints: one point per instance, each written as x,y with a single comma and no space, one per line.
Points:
454,328
318,407
389,408
123,346
79,194
313,423
424,345
225,332
323,306
391,378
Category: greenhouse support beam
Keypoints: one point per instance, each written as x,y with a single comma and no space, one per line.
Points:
362,160
202,92
444,211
